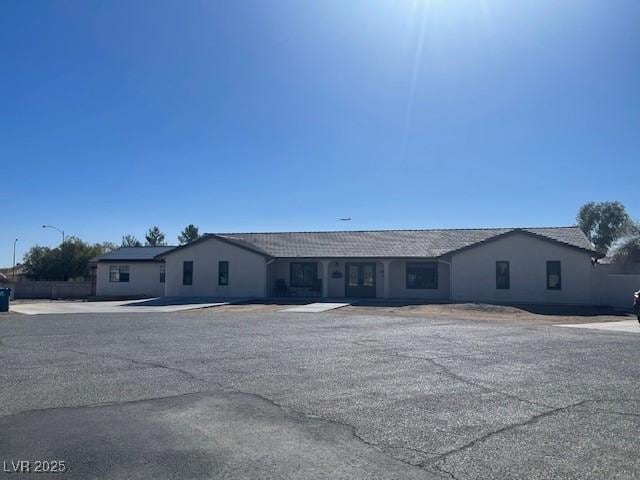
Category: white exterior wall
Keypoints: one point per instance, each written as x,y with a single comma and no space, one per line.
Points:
247,271
474,272
144,280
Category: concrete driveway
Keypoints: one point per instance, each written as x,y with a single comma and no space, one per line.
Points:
628,326
165,304
314,396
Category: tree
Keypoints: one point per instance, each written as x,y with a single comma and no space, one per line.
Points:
189,234
155,238
108,246
130,241
38,262
628,251
604,223
70,260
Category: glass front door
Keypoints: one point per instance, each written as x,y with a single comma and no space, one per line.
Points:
360,280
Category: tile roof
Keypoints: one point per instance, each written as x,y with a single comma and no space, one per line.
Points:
132,254
390,243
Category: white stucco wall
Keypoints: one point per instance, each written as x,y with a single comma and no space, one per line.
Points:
474,272
247,271
144,280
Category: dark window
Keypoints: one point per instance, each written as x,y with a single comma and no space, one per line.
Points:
119,273
303,274
503,277
554,276
187,273
422,275
223,273
163,273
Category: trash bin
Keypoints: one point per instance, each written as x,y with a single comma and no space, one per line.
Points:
5,294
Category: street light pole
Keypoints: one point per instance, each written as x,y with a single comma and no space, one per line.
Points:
13,270
55,228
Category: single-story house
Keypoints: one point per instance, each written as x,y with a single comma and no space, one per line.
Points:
130,272
532,265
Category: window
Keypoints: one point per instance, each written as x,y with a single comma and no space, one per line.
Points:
187,273
422,275
554,276
223,273
119,273
163,273
503,277
303,274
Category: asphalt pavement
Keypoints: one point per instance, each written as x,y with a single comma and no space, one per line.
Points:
206,394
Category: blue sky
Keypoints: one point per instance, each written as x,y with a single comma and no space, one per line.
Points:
287,115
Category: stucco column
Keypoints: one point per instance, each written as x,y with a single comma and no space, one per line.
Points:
325,278
385,278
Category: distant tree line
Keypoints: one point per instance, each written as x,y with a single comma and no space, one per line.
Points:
156,238
64,262
71,259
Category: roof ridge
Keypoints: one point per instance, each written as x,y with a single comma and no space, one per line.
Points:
394,230
146,246
430,243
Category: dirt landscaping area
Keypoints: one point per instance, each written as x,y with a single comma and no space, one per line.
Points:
538,314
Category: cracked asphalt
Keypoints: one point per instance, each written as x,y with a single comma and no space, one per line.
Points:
312,396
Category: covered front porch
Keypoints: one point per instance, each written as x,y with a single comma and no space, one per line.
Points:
427,279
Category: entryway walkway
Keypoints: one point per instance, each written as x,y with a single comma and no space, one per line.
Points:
316,307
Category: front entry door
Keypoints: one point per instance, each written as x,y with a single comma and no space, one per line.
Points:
360,280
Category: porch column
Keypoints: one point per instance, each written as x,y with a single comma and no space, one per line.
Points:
325,278
386,282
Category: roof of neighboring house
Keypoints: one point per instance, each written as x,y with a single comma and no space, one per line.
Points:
132,254
20,270
388,243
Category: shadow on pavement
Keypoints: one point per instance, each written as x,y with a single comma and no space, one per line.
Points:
167,301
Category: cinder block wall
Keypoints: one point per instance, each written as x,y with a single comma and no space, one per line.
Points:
49,290
614,285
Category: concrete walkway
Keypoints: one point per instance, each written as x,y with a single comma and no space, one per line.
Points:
316,307
126,306
631,326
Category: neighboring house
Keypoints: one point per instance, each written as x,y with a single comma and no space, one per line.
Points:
507,265
17,274
130,272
